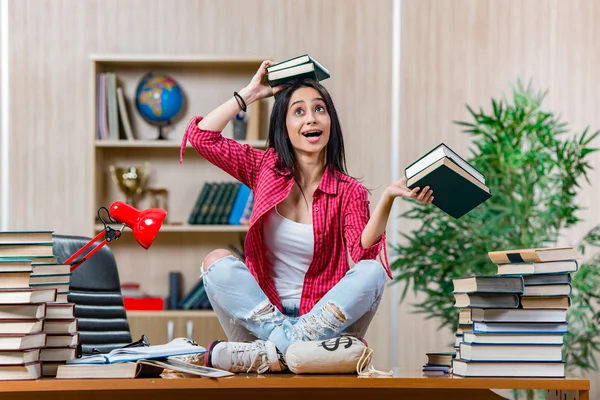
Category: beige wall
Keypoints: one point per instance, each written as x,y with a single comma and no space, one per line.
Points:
453,52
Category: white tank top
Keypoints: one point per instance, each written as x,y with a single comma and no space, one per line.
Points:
289,247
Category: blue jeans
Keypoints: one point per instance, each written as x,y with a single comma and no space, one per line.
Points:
245,312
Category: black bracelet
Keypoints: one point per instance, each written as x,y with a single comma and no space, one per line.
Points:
240,101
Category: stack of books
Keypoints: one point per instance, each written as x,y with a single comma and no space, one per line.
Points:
62,337
438,363
520,336
448,174
46,286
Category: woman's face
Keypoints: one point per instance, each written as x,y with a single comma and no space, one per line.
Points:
307,121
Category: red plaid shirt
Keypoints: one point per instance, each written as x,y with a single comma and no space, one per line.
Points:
340,212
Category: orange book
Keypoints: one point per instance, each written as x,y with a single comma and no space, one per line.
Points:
534,255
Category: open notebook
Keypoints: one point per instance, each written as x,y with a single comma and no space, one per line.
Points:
176,347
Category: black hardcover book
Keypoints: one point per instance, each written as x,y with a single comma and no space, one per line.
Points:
455,191
174,290
296,68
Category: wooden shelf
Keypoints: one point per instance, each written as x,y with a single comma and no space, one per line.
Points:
159,144
174,61
184,228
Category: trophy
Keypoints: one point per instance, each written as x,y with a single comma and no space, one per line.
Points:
158,198
131,181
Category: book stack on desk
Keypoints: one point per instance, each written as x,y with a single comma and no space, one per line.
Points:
438,363
48,283
62,337
526,340
23,305
60,324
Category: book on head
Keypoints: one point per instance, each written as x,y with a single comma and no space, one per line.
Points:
457,186
300,67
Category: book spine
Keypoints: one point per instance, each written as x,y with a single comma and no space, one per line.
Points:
174,290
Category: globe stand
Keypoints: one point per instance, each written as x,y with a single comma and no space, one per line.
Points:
161,135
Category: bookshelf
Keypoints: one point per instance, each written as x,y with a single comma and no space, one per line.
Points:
183,228
206,81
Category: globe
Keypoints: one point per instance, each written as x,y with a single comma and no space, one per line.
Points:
159,99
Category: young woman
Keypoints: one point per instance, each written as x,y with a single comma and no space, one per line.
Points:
296,283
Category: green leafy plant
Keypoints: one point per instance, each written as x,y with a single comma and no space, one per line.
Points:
533,168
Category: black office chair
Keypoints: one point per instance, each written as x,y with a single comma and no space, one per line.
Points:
96,292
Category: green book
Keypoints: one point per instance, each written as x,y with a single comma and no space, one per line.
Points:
228,204
213,210
455,191
205,207
220,209
300,67
199,201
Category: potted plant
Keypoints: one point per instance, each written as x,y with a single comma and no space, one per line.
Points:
534,169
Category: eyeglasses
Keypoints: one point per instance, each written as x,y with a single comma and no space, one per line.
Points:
143,342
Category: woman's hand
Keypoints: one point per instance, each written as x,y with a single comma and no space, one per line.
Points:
259,88
399,189
378,221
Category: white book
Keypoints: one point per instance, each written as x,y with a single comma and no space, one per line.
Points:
517,315
22,311
508,369
124,115
112,108
22,342
510,352
527,268
493,338
21,372
19,357
520,327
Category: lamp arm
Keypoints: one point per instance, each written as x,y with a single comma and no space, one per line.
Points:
108,233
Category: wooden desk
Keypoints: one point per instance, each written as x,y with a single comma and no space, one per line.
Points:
286,387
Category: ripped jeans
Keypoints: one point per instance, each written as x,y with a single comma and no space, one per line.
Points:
245,312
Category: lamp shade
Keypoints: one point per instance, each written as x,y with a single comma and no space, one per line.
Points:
144,224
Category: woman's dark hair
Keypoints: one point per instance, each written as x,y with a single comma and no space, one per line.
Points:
278,135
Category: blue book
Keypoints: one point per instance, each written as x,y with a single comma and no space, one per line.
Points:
539,328
239,204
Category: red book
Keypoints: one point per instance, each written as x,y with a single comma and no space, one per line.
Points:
143,303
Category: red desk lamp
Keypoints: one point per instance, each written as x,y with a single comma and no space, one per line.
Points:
144,224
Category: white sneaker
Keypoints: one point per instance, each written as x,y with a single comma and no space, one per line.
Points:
258,356
341,355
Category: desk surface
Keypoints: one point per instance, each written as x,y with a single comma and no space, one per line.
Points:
288,381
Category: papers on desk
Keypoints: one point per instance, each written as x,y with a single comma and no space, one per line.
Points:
187,368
